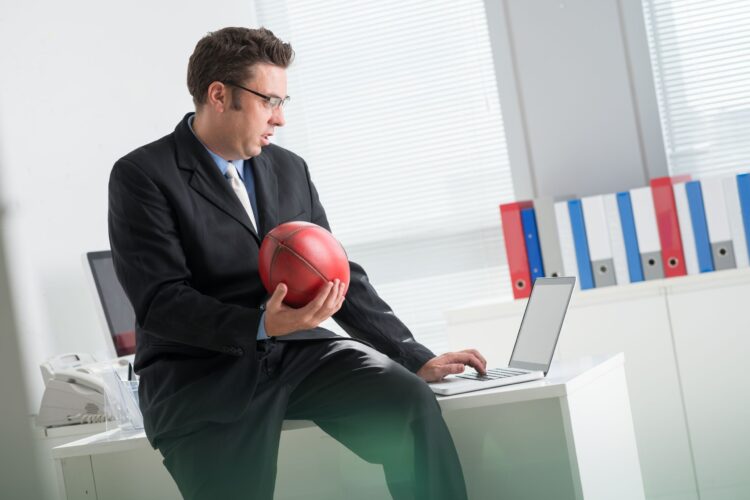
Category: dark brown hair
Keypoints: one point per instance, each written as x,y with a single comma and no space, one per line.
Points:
228,55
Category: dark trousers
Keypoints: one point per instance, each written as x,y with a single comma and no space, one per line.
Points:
372,405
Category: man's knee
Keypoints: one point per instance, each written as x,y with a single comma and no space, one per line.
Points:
410,392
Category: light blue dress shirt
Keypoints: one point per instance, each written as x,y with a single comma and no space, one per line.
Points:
247,178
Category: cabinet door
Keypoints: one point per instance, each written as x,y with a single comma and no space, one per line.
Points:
133,474
712,341
639,327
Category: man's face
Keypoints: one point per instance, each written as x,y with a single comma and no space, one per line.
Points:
250,119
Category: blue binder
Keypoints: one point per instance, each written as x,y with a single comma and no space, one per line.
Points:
583,258
625,207
700,228
743,186
533,251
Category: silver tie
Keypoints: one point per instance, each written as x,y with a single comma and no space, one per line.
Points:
239,189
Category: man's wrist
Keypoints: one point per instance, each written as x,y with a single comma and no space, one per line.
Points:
262,332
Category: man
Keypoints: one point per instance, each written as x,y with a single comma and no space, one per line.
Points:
221,364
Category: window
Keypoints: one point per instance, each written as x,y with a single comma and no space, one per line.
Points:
396,110
700,53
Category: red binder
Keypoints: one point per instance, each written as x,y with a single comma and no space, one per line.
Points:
673,258
515,247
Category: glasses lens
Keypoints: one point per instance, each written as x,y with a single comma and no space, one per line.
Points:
278,102
275,102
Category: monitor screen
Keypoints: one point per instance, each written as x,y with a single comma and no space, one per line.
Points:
118,312
542,323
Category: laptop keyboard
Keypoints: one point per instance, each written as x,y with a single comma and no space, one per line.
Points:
492,374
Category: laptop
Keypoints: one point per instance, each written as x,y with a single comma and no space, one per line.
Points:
535,342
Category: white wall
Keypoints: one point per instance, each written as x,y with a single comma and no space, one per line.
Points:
577,95
84,82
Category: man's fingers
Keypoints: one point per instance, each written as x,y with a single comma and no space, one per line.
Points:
478,355
451,368
329,299
460,357
339,299
438,372
333,295
329,304
454,357
466,358
324,304
477,364
315,304
278,296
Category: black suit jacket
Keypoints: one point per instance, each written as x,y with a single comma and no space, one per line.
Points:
186,254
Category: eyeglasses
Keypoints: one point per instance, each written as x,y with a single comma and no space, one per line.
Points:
271,101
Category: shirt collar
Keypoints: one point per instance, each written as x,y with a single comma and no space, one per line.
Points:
218,160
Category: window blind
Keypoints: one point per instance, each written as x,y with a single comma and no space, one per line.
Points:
700,54
395,109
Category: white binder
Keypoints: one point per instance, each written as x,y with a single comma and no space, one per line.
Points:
567,247
546,224
647,231
616,239
734,217
719,232
597,235
686,228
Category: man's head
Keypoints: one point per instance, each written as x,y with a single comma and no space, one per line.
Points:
237,76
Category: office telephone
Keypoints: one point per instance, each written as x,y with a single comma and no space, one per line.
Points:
74,394
79,390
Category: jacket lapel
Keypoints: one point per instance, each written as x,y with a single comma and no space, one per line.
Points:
206,179
266,193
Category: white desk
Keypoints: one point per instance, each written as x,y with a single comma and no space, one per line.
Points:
569,436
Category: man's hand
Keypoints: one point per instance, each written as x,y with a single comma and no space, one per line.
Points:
280,319
452,362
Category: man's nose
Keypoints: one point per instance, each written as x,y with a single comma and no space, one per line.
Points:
277,117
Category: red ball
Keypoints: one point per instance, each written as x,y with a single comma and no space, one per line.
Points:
305,257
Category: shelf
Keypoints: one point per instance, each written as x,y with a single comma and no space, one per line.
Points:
494,308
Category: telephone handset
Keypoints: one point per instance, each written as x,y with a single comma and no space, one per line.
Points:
74,394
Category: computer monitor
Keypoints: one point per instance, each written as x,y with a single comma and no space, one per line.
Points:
114,308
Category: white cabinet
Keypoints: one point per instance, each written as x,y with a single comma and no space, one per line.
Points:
712,342
47,439
685,340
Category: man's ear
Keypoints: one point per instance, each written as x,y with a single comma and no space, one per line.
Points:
217,97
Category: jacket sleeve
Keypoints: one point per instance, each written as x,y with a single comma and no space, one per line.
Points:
364,315
151,266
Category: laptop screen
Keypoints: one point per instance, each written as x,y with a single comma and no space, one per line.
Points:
115,305
542,323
